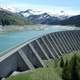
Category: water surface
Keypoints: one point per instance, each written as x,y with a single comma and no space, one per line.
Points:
9,40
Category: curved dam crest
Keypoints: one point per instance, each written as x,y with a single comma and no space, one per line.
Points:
31,54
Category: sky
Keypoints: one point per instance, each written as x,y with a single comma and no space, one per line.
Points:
71,6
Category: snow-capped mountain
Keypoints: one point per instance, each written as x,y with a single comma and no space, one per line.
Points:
29,12
43,17
39,16
26,13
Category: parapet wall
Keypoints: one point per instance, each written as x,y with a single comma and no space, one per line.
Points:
30,56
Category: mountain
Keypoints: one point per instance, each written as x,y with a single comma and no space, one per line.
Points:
44,17
9,18
74,20
41,17
26,13
29,16
29,12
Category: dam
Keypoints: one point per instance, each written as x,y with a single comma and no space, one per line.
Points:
29,51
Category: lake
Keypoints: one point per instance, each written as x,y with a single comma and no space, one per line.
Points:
9,40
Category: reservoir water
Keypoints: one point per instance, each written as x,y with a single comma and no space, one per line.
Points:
10,40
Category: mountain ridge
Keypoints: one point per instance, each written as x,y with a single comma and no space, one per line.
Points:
42,17
30,16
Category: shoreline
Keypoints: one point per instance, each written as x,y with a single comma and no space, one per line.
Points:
17,28
14,28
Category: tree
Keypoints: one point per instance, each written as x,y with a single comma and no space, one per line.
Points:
66,71
71,69
5,22
62,63
2,22
74,69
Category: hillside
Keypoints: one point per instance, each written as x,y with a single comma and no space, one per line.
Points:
74,20
9,18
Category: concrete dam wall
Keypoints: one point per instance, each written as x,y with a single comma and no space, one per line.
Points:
31,55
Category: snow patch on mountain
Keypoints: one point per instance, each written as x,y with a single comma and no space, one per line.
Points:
9,8
44,13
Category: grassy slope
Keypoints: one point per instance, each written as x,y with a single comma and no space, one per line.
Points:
52,72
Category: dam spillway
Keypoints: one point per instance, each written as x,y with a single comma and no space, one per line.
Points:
30,54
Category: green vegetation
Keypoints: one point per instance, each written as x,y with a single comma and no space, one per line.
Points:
65,68
48,73
72,68
9,18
